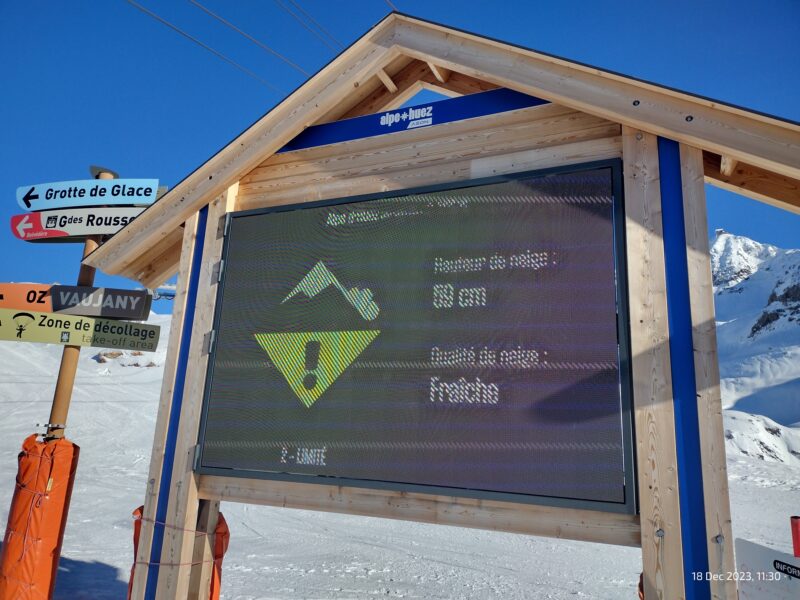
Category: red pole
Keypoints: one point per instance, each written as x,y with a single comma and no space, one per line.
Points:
796,535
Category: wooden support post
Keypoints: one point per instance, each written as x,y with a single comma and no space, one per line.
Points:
167,392
70,354
654,419
203,554
719,537
175,572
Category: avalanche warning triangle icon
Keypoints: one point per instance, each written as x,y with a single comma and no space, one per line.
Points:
311,361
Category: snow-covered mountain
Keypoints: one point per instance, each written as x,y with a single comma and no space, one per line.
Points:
757,298
280,553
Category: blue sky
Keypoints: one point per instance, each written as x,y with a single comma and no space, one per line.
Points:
102,83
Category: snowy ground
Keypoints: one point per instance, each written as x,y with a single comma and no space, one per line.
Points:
281,553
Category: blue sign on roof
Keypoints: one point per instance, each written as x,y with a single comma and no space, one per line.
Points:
413,117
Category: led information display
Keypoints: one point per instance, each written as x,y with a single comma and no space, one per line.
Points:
461,341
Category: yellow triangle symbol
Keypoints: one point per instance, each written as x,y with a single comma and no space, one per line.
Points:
334,351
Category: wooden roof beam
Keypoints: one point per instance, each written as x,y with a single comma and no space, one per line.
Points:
727,165
406,82
755,139
387,81
441,74
754,182
411,79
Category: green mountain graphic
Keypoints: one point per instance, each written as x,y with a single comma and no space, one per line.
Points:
320,278
335,351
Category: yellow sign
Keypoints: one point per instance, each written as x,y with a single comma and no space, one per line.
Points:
52,328
312,361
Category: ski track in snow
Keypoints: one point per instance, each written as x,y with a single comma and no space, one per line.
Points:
287,554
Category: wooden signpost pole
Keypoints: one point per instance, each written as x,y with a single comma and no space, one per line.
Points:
69,358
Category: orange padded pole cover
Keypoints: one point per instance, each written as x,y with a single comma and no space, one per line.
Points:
35,530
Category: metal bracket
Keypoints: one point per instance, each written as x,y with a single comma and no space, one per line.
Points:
208,341
216,271
224,225
196,458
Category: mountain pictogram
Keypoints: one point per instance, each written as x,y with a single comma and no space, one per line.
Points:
311,361
320,278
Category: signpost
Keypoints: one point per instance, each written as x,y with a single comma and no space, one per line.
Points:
72,225
73,331
65,315
89,192
75,300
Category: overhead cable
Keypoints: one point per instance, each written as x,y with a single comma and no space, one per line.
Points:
252,39
209,48
303,23
314,21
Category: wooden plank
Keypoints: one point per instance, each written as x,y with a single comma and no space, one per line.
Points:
460,170
164,407
300,109
142,263
719,536
487,126
555,132
441,74
727,165
161,268
174,574
768,143
654,419
564,523
458,84
387,81
203,556
779,191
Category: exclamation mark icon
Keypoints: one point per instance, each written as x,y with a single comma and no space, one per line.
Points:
312,360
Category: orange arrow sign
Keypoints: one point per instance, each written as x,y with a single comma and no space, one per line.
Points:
26,296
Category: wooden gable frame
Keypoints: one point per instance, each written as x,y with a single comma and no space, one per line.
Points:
403,54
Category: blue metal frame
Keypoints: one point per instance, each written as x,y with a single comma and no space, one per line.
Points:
413,117
175,410
684,388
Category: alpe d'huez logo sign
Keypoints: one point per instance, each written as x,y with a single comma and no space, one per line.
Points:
311,361
414,117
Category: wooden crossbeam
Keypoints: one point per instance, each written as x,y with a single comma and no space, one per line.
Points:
441,74
754,182
387,81
412,78
727,165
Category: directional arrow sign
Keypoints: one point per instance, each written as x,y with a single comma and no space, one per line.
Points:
75,300
49,328
29,196
22,226
88,192
72,225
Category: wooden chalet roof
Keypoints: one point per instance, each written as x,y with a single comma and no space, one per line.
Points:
746,151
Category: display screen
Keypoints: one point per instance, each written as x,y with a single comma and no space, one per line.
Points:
462,341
